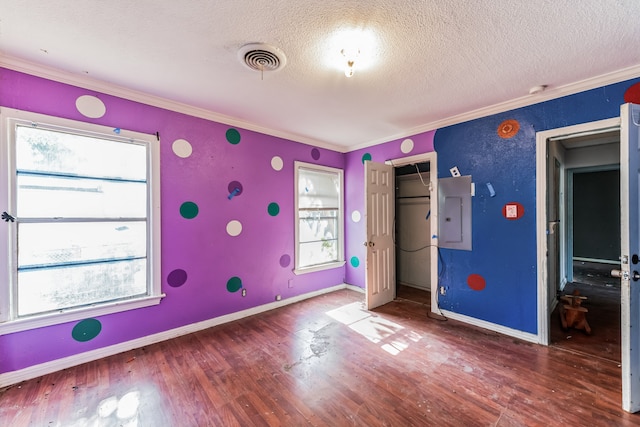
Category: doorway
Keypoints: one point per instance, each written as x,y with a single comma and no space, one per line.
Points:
380,213
411,231
583,238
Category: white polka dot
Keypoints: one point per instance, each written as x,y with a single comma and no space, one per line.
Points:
276,163
182,148
234,228
406,146
90,106
355,216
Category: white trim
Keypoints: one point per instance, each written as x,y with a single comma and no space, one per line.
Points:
23,324
523,101
9,321
320,267
541,211
13,377
490,326
341,217
355,288
432,158
89,83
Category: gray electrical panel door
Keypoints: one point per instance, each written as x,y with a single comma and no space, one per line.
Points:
454,212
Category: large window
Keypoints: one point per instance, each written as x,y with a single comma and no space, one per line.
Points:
82,221
319,217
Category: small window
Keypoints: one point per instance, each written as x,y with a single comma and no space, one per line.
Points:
319,217
85,239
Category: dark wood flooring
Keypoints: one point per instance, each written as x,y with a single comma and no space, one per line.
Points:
603,302
328,362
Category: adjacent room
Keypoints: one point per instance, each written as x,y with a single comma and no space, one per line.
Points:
338,213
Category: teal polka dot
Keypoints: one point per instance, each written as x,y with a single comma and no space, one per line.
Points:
365,157
273,209
234,284
189,210
355,262
86,330
233,136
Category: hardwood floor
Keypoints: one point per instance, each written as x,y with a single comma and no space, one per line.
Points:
328,362
603,302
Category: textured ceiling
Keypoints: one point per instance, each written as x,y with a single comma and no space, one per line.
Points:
431,60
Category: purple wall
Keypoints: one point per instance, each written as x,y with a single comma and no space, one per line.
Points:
355,232
261,256
496,281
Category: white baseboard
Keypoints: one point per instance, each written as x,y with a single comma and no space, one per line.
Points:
13,377
525,336
355,288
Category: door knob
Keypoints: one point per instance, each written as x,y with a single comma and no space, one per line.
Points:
625,275
618,273
370,244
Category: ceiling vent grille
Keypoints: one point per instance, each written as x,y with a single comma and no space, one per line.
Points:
262,57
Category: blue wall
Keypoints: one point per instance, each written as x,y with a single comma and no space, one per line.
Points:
504,250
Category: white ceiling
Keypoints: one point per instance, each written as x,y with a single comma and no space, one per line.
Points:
434,62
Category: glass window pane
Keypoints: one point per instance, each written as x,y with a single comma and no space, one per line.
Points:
314,253
50,289
46,150
311,229
42,196
67,243
318,189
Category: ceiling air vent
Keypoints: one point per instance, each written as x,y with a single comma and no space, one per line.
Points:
262,57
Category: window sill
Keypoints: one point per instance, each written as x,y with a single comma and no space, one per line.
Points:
312,269
64,316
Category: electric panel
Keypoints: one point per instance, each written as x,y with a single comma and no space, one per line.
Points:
454,212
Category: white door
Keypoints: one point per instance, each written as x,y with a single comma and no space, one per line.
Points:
630,251
379,215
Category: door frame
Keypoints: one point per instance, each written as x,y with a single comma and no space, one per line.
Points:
432,158
541,210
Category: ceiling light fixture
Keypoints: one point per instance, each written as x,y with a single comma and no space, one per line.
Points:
350,55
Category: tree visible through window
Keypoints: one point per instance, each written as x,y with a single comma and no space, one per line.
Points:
319,215
83,207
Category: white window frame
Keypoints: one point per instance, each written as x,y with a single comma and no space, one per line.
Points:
9,322
335,264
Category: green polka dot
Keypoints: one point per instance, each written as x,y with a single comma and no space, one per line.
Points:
189,210
355,261
365,157
233,136
234,284
273,209
86,330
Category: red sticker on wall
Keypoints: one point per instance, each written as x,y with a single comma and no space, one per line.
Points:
476,282
632,94
508,128
513,210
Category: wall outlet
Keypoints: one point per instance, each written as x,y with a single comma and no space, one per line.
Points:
244,292
278,297
443,290
455,172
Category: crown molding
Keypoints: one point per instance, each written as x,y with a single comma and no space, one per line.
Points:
523,101
90,83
